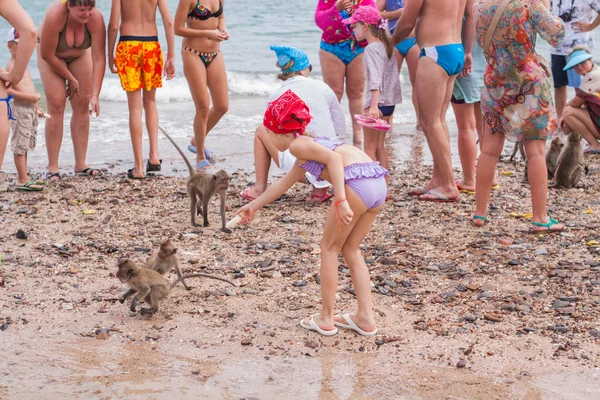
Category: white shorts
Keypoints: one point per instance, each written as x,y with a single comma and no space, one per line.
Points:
286,163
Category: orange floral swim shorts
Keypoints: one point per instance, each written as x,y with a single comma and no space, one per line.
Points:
139,62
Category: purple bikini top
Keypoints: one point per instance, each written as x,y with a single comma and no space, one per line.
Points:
314,167
352,171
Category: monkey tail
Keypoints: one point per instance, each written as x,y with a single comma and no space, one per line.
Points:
201,275
187,162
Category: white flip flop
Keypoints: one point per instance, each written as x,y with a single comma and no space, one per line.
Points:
351,325
312,326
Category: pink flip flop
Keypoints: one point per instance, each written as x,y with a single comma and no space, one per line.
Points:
373,123
245,194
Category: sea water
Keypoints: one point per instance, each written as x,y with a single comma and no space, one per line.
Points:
251,71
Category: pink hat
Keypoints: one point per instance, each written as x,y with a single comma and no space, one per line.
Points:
367,14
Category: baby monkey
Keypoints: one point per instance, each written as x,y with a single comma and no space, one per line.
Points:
202,187
552,156
149,286
164,260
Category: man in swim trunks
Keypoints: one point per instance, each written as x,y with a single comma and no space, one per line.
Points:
139,62
439,29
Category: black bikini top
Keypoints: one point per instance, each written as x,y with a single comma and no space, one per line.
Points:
202,13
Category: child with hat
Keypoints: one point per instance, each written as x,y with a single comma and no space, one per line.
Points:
382,87
24,118
359,189
582,113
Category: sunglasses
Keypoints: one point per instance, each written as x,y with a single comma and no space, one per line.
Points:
310,68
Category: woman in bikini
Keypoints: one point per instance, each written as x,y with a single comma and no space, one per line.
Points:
202,26
341,55
72,61
14,14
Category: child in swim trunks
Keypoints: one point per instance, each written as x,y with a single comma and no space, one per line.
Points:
24,119
382,88
139,63
359,190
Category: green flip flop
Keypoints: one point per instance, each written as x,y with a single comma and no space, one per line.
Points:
32,186
484,219
548,225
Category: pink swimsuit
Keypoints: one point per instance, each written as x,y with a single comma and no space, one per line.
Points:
337,38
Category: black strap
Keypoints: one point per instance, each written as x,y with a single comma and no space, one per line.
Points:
560,6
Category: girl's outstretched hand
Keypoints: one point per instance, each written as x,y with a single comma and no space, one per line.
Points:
344,212
248,213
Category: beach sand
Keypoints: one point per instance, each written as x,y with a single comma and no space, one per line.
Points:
520,311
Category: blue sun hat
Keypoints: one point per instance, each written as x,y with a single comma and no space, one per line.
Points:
287,53
577,57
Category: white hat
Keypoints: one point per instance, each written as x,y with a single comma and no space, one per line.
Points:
12,36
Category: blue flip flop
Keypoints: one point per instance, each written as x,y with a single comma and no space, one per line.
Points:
207,152
203,164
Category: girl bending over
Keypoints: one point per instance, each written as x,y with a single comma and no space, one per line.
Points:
359,189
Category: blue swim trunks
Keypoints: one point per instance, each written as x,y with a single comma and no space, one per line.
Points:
405,45
343,50
451,57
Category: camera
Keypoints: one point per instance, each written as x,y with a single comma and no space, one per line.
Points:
566,17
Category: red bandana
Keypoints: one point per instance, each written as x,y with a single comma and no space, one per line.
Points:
278,117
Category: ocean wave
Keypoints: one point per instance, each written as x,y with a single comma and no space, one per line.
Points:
177,90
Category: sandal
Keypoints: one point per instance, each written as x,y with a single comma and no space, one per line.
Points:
437,197
208,153
352,325
245,194
373,123
548,225
53,176
31,186
204,164
90,172
318,199
131,176
484,219
462,189
312,326
153,167
419,190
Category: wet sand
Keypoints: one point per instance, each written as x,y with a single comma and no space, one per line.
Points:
521,310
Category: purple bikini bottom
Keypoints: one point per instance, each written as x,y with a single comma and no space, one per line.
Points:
367,180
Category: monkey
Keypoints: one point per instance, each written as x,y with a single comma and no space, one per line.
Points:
518,147
570,166
551,159
164,260
201,187
552,156
149,286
